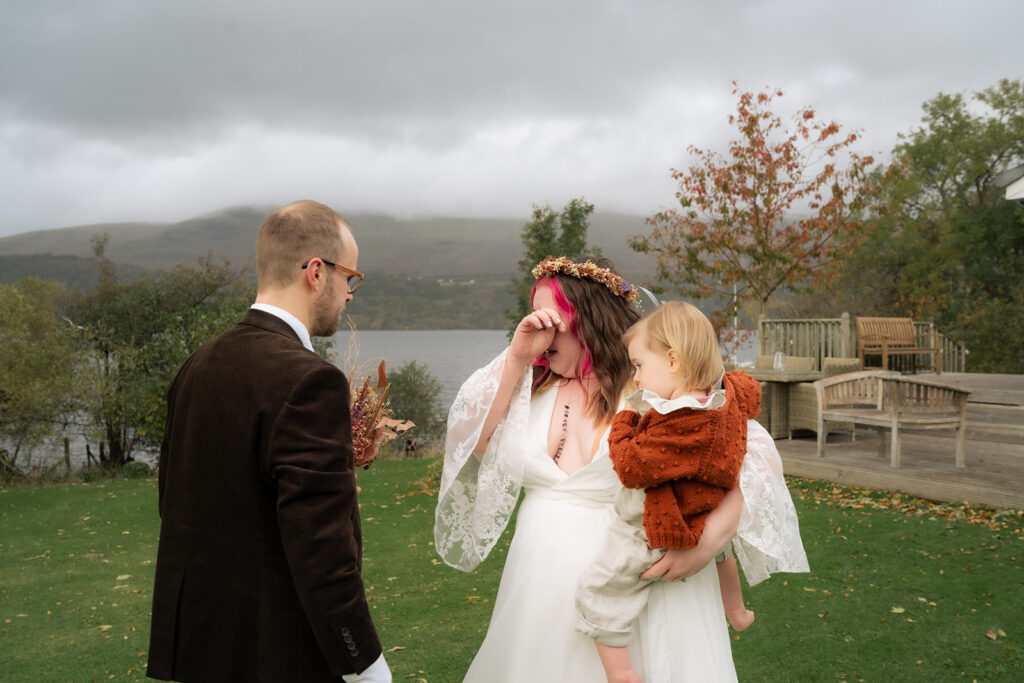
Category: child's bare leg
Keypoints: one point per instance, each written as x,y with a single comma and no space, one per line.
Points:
732,594
617,666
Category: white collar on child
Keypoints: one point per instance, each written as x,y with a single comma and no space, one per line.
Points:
645,400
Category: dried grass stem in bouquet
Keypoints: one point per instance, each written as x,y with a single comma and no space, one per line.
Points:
373,423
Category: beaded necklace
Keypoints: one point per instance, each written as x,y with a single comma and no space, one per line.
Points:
565,421
565,430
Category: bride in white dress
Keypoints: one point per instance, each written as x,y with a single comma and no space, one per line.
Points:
506,434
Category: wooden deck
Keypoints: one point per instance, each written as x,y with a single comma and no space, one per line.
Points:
994,475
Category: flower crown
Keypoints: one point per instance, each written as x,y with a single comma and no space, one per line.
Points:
589,270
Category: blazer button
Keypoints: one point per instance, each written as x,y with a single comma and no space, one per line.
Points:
345,631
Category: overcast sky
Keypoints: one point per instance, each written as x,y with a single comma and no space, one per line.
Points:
159,110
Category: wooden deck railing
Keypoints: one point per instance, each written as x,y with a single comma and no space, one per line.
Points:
814,337
954,353
837,337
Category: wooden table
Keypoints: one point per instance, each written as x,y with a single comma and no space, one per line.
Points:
777,400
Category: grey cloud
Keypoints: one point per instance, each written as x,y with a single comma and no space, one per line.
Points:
130,109
130,68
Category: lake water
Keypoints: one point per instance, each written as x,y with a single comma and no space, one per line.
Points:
450,355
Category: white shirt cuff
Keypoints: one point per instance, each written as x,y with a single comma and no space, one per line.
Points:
378,672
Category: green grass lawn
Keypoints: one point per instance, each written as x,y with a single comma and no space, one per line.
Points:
76,579
900,590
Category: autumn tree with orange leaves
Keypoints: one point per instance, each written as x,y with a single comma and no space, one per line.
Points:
773,214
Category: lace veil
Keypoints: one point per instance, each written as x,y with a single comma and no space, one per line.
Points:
768,538
479,491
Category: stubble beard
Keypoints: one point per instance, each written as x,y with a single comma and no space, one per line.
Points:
325,318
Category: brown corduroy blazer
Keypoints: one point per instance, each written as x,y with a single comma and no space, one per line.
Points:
258,569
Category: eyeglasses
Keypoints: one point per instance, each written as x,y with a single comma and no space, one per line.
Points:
355,278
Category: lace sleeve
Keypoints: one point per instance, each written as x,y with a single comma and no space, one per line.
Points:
768,538
479,491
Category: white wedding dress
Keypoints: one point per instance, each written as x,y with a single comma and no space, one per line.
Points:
681,635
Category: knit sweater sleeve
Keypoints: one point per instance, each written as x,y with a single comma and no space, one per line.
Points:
622,445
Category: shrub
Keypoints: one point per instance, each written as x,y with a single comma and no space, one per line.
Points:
136,470
415,395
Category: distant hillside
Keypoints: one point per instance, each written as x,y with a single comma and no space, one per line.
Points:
418,247
75,271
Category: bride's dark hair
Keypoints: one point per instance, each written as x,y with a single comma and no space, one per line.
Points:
598,319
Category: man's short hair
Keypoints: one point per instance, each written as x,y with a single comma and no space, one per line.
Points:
293,234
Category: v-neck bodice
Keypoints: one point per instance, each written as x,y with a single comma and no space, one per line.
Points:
595,481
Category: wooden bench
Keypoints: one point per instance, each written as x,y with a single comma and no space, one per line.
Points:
803,399
889,401
888,337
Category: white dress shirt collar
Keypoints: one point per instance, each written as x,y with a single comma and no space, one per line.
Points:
292,321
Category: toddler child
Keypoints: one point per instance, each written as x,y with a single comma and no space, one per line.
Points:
677,456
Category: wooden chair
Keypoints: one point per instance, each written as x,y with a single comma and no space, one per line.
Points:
888,401
887,337
833,365
764,363
803,399
801,363
803,407
793,363
805,403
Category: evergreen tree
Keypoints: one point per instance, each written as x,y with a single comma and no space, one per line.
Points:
549,233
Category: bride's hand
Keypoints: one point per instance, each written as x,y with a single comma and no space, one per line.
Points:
534,334
721,526
678,564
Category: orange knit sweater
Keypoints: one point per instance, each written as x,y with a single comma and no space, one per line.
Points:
686,460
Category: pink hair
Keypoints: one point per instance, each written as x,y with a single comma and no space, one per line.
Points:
567,309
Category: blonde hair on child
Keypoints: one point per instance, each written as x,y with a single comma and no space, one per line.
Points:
682,328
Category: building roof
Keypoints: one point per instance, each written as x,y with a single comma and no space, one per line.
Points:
1013,180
